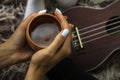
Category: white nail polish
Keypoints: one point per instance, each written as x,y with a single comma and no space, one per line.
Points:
58,10
42,11
65,32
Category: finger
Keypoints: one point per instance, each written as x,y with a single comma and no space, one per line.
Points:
61,18
42,11
55,45
65,50
66,47
22,26
71,25
24,23
63,53
19,34
66,17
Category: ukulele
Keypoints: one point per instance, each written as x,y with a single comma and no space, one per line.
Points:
96,35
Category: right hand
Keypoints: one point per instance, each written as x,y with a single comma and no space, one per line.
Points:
60,48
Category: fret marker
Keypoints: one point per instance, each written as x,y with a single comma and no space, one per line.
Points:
79,38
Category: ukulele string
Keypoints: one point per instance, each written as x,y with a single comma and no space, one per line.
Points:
91,26
106,35
99,34
97,29
104,31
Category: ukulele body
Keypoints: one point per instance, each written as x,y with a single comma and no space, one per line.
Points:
99,33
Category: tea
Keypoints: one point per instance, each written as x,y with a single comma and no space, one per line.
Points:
42,30
45,33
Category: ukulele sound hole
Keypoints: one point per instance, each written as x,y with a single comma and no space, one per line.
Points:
113,25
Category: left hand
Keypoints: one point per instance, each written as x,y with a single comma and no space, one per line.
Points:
15,49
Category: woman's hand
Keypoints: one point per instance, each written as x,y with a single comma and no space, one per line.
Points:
43,60
15,49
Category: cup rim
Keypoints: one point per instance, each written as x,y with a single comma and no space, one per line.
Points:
28,27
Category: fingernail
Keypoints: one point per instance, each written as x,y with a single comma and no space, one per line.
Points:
58,10
42,11
65,32
71,25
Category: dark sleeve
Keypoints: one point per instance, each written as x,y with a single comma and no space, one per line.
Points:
66,70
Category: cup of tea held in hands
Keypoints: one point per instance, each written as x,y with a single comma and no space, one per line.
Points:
42,30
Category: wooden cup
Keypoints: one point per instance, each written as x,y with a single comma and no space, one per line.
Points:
42,30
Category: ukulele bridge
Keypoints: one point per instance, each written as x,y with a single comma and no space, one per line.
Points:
78,41
79,38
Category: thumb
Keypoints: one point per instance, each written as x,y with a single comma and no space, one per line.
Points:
21,29
22,26
60,38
